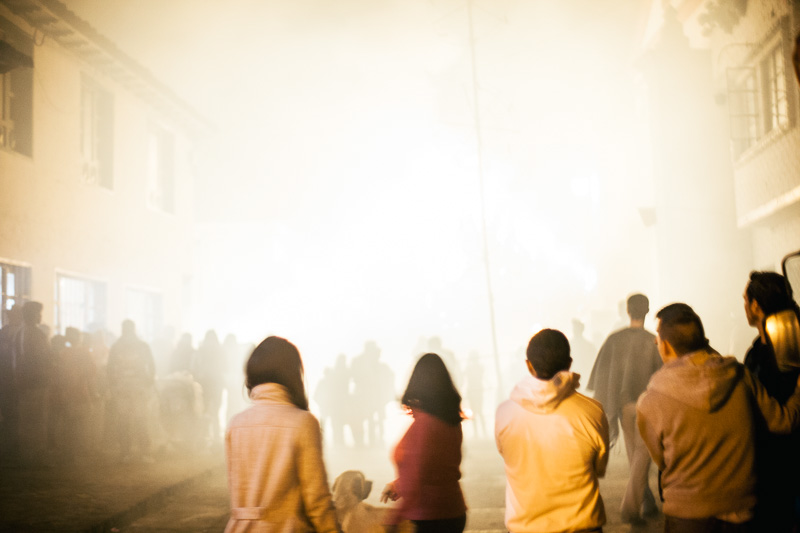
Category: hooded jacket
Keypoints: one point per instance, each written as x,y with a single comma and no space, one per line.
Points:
697,420
554,442
276,476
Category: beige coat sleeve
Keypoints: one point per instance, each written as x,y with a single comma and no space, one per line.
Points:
314,479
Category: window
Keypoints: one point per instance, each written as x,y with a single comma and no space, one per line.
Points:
80,303
144,308
16,90
97,134
160,171
757,97
776,103
16,285
743,108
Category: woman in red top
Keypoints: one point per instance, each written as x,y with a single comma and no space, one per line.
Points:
428,457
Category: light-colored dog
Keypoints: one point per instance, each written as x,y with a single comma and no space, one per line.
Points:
350,490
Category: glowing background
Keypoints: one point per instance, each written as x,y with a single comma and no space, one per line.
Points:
340,196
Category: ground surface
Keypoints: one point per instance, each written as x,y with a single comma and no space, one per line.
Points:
204,506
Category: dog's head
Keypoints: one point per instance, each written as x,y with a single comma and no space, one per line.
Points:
350,488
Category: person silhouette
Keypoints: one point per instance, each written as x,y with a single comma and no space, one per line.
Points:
583,351
449,358
75,390
474,386
373,388
131,379
234,375
183,355
33,373
623,367
9,414
209,371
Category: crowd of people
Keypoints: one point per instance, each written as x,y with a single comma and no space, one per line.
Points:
274,451
722,434
69,398
355,395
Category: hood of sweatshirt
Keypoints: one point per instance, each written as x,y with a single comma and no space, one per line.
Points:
701,379
543,396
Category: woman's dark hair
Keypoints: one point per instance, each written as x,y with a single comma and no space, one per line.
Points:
277,360
771,291
431,389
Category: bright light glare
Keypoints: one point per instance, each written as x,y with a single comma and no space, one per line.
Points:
344,175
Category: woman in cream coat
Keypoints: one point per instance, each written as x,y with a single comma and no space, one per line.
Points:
276,476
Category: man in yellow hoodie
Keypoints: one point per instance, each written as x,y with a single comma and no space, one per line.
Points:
554,442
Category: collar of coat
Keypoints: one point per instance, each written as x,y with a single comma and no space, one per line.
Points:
270,393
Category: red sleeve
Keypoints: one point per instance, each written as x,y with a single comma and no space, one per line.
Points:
411,456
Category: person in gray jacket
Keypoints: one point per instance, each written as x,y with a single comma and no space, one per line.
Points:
697,420
620,374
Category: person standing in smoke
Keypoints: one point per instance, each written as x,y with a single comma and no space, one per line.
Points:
56,409
583,351
94,424
9,415
33,368
106,429
183,355
333,398
332,395
75,390
131,375
373,388
777,462
162,347
323,396
620,374
449,358
473,390
340,398
234,378
209,371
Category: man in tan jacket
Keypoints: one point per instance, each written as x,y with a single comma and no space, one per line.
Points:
696,419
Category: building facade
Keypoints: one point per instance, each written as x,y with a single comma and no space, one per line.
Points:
96,174
750,46
723,100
